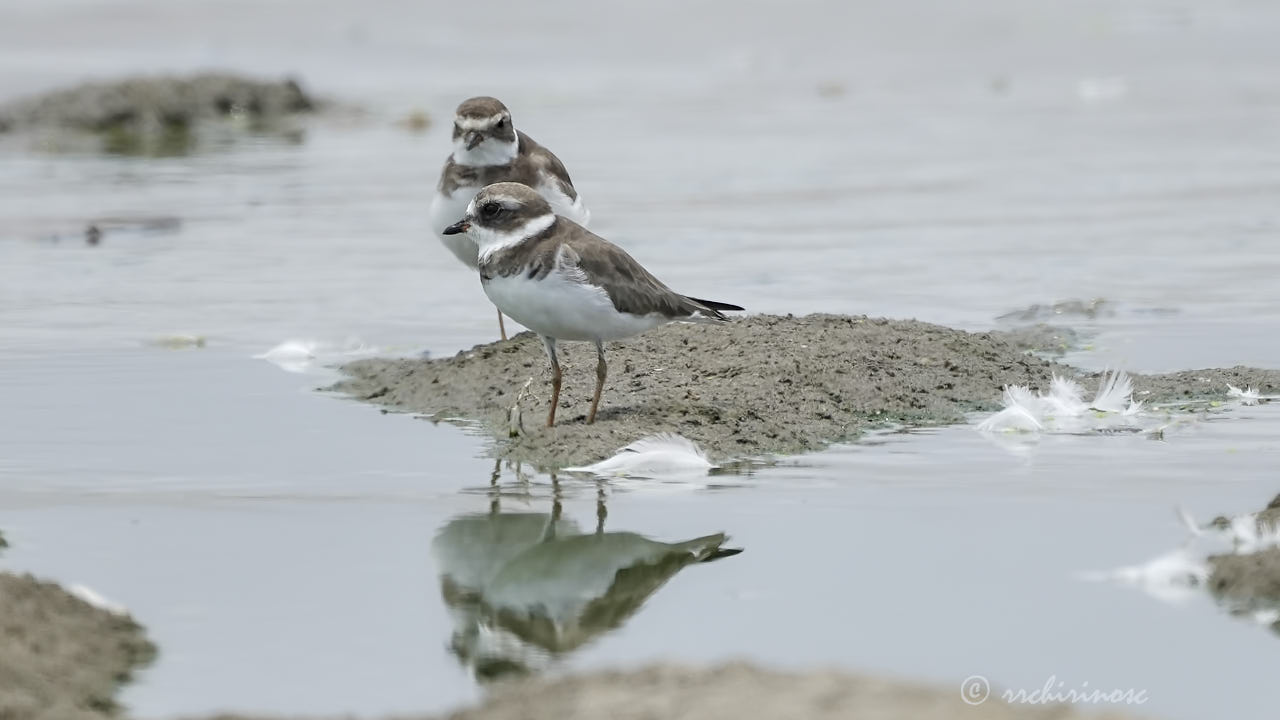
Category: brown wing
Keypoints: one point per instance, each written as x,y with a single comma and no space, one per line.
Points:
452,177
630,287
543,161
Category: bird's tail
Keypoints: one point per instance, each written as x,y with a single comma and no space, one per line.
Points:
712,308
706,549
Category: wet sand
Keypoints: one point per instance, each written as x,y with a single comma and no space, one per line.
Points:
61,658
757,386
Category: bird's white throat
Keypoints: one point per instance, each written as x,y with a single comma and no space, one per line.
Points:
490,152
491,241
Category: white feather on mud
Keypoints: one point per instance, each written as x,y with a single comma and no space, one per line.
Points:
656,456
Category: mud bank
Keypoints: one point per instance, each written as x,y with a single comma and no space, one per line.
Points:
1248,582
156,114
761,385
61,658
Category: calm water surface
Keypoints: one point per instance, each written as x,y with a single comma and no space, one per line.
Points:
277,542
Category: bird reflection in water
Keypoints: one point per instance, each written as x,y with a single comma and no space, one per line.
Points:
526,588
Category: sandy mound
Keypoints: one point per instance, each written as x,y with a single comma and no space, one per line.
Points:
760,385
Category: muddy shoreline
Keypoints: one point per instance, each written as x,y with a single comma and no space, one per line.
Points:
757,386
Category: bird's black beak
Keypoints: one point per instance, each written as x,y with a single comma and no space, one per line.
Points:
474,138
459,227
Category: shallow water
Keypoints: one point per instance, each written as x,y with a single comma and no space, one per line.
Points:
276,542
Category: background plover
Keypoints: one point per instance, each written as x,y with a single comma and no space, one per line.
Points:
488,149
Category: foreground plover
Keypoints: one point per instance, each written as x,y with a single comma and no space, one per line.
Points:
558,279
488,149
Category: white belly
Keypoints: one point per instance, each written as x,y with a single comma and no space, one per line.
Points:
447,210
563,309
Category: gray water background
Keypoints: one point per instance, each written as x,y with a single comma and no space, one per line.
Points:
926,159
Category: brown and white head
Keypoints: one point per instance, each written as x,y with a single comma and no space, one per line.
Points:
502,215
483,134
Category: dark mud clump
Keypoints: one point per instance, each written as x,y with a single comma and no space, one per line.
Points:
1246,582
161,115
61,658
761,385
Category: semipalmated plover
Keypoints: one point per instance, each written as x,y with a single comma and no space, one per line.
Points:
488,149
564,283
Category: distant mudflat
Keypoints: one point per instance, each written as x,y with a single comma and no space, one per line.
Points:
158,115
757,386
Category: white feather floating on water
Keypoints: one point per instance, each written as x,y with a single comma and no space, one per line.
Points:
302,356
1021,412
660,455
291,350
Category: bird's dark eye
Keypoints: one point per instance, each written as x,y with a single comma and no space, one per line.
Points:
490,209
501,124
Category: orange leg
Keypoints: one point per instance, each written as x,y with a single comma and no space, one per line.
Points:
602,371
550,345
